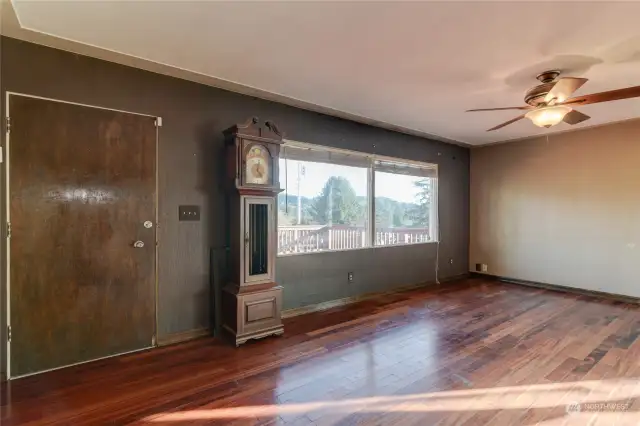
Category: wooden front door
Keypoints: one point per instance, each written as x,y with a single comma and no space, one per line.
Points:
82,184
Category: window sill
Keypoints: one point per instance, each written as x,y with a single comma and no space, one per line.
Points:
406,244
355,249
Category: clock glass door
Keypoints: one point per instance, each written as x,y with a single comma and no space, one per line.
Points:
258,237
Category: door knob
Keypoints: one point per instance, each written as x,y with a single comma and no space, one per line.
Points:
138,244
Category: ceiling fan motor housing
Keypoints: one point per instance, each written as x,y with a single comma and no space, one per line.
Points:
535,96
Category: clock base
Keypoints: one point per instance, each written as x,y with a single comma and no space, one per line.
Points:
252,313
239,340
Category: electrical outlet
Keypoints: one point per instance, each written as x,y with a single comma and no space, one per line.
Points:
451,261
481,267
350,277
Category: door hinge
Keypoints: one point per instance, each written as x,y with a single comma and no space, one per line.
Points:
9,333
8,229
158,121
8,124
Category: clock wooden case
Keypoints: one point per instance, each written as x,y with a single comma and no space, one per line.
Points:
252,301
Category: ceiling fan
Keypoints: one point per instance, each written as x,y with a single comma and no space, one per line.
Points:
549,102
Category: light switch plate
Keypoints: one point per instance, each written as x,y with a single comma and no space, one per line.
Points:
188,213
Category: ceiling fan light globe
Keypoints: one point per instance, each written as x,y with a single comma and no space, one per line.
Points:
548,116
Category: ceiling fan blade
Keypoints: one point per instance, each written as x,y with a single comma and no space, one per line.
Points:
500,109
575,117
506,123
564,88
612,95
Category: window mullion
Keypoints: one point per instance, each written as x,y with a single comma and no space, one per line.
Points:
371,220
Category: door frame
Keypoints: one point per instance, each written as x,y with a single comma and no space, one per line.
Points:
7,246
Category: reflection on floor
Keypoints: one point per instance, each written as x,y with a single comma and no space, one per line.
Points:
467,353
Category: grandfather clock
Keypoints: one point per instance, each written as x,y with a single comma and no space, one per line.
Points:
252,301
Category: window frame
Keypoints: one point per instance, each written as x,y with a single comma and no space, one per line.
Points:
371,210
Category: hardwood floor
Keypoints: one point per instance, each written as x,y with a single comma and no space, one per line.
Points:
467,353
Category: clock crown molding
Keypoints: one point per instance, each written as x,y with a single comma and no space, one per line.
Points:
252,129
240,140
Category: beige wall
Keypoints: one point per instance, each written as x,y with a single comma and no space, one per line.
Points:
564,211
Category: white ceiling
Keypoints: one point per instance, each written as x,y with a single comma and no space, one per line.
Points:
417,66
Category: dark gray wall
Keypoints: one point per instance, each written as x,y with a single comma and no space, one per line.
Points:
310,279
191,172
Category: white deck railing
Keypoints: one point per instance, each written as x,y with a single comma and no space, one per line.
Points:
311,238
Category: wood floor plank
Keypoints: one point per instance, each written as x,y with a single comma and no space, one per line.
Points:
468,353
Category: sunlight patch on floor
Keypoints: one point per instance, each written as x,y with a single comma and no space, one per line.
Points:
504,398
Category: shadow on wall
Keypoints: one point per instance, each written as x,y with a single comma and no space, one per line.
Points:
212,183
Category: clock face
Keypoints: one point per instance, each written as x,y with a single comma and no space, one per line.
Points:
258,165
